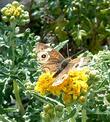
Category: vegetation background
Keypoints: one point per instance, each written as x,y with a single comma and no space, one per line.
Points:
72,26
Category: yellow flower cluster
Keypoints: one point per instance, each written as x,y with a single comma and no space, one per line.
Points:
71,89
14,12
44,83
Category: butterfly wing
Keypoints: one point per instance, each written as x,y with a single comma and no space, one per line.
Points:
72,65
49,58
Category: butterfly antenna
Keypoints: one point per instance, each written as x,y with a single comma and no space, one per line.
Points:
67,50
78,53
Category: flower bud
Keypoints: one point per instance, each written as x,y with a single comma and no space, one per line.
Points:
19,9
8,5
21,6
17,29
15,3
45,116
26,16
3,10
82,99
74,97
25,21
48,108
58,108
12,18
4,18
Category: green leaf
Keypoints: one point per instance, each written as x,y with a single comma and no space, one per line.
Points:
61,45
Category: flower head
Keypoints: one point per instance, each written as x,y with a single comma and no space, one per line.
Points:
15,12
70,89
44,83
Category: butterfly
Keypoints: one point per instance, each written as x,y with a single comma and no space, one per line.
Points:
53,61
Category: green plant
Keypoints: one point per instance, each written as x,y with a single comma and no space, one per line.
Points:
85,22
18,66
19,69
94,105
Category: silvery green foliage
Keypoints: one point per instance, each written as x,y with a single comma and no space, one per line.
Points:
25,70
5,118
98,98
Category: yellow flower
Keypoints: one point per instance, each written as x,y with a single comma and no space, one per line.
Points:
84,87
44,83
67,98
79,74
75,84
76,88
14,10
71,88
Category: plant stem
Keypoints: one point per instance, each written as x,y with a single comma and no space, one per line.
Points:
12,41
18,99
84,116
72,119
